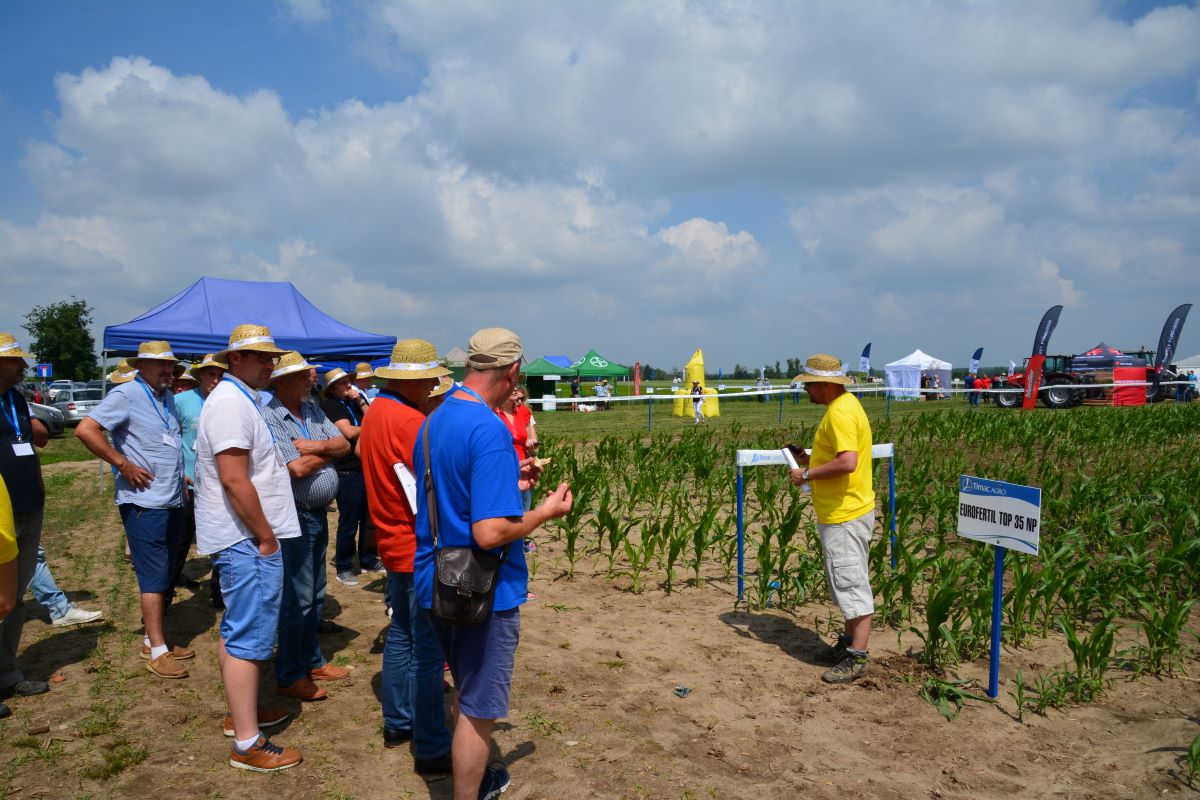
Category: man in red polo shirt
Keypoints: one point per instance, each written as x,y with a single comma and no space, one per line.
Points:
412,658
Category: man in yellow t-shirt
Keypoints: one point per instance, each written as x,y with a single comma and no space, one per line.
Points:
839,471
8,563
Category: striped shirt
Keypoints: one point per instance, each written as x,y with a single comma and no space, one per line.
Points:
317,490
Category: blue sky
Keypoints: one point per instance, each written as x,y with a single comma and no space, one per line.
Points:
762,180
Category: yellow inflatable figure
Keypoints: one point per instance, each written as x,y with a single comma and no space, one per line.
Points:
694,371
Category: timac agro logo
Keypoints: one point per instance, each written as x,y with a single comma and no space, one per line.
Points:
759,458
972,486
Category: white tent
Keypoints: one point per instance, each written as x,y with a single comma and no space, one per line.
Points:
905,374
1189,363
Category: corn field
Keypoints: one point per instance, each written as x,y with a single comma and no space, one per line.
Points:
1120,550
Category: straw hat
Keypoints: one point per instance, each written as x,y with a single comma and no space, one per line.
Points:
186,375
333,376
154,351
823,368
290,362
255,338
412,359
124,372
493,348
445,384
10,349
209,360
362,370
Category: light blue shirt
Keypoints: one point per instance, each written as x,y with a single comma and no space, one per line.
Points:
187,408
141,422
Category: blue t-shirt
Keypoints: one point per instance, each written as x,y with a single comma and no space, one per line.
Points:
475,473
187,408
145,429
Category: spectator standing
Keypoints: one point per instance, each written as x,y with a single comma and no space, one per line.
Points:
309,444
576,392
184,379
698,401
188,406
147,450
8,564
839,472
1191,377
519,421
411,686
22,475
346,405
244,509
364,379
477,481
43,587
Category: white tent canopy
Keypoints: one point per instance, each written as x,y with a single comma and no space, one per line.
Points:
905,373
1189,363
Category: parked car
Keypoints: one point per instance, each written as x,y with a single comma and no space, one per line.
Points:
55,388
75,404
50,416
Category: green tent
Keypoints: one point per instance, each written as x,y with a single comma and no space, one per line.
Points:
543,367
594,365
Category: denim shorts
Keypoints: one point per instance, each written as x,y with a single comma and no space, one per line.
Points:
481,659
847,545
153,535
251,586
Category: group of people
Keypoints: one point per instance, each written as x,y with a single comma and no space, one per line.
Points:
250,474
979,384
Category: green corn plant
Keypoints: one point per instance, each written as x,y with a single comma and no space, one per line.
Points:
948,697
1091,655
1193,761
1018,695
1162,626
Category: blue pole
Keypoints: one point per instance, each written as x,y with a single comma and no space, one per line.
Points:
781,408
892,502
997,603
741,535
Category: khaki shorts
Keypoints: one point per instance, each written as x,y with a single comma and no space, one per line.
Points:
846,546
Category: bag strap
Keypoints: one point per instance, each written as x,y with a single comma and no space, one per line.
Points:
430,497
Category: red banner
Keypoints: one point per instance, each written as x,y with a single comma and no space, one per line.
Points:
1033,381
1133,395
637,377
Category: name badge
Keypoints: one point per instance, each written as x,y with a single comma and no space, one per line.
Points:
169,440
22,449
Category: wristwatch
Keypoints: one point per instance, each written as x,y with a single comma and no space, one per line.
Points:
804,474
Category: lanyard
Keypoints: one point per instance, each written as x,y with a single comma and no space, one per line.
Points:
12,414
300,423
165,415
237,385
351,410
471,392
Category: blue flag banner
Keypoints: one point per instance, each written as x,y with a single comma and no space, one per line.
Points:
975,359
864,361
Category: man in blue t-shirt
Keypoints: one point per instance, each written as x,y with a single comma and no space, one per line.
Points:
477,486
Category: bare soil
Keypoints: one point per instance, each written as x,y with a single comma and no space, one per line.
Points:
595,712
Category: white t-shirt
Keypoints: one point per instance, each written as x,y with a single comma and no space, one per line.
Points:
230,419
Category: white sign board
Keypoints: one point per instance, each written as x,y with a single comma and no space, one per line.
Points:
1005,514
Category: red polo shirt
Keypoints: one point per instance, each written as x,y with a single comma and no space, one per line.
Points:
388,435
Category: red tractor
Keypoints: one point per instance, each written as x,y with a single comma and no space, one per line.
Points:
1061,387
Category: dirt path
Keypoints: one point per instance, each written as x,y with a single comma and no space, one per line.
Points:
594,711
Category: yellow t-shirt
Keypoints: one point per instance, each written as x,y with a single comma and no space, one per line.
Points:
8,528
844,427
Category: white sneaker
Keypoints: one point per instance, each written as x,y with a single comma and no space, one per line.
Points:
77,616
347,578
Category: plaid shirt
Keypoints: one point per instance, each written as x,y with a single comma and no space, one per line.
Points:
315,491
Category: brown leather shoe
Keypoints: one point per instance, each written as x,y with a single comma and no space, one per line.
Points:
264,757
267,718
179,653
303,689
329,673
165,666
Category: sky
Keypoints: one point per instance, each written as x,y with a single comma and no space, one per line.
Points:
761,180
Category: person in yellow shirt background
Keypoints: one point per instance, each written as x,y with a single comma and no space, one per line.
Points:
839,471
8,563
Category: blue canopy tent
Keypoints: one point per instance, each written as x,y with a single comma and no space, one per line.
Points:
199,319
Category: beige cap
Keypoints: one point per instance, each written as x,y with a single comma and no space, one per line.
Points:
249,337
823,368
492,348
290,362
412,359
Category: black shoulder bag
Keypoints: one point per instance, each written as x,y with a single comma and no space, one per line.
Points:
464,578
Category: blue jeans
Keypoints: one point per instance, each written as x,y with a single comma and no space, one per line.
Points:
303,598
354,522
45,590
252,586
412,672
